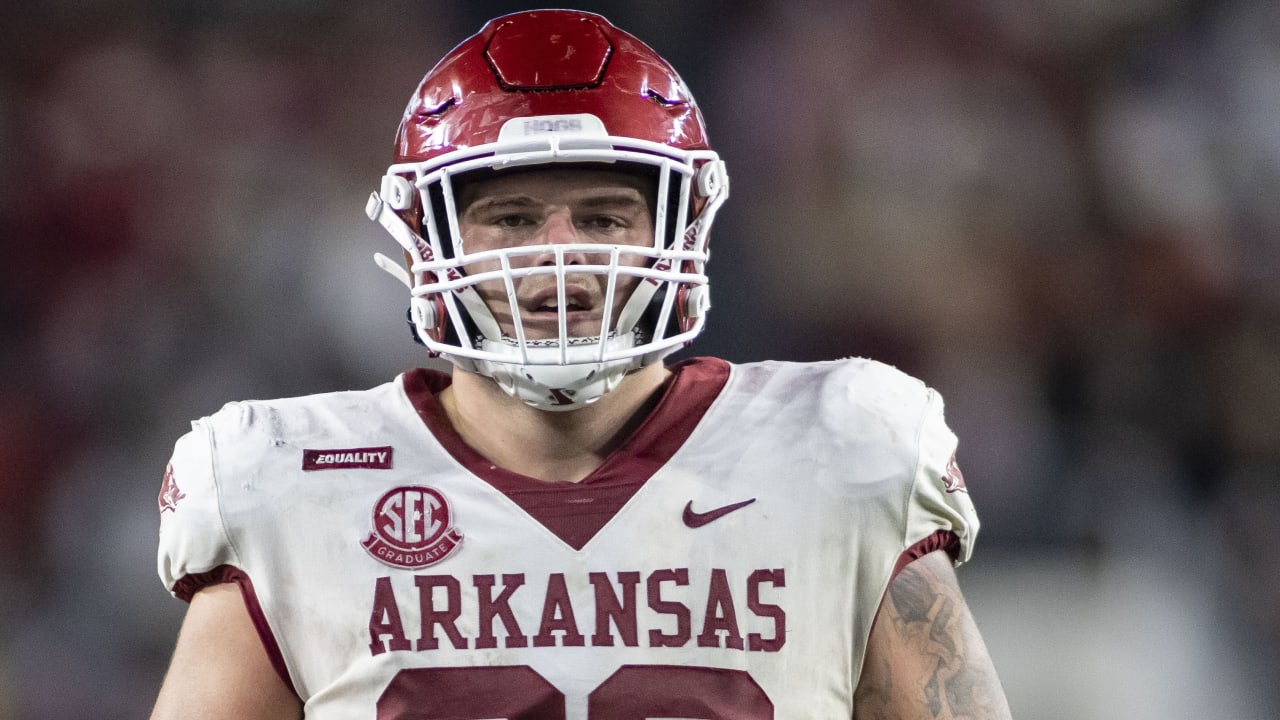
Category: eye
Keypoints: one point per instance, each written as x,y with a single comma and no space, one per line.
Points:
512,221
605,222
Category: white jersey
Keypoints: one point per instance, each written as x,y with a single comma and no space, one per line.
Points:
726,562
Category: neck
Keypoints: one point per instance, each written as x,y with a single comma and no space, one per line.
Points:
552,446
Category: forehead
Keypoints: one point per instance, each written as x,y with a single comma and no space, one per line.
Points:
553,183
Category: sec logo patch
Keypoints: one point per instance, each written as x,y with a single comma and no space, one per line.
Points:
412,528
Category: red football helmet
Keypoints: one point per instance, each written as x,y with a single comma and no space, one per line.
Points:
530,89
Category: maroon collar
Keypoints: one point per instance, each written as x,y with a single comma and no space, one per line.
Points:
575,512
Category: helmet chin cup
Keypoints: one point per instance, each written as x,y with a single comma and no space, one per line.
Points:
554,388
557,388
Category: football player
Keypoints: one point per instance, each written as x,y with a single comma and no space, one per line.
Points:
565,526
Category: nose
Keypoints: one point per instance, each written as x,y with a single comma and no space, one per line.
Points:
558,229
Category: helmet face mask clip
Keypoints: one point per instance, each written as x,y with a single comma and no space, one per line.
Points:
614,105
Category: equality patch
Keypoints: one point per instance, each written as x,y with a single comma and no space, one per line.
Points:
377,458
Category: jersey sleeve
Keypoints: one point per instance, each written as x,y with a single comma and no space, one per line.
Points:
194,548
939,506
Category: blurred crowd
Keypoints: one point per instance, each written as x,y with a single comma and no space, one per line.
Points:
1064,216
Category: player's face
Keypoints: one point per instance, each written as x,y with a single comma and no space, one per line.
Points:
553,207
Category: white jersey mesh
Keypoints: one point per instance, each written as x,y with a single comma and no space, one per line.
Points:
848,462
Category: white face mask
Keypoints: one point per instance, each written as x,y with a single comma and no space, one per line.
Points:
555,365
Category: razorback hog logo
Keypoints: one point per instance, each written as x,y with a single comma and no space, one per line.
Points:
412,528
169,492
953,479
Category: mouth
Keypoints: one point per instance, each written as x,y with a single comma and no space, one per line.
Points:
547,302
541,312
551,311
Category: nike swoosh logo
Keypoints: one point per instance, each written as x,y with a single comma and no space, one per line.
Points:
698,519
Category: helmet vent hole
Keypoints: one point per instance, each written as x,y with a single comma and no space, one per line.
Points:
433,115
663,101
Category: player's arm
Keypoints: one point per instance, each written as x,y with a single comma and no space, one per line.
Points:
925,658
219,667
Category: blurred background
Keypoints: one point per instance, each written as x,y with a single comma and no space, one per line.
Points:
1062,215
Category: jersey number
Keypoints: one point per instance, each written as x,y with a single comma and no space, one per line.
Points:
518,692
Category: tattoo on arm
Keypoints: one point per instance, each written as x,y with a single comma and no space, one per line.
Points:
931,693
932,656
909,593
